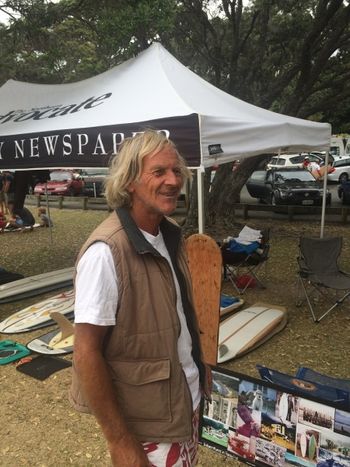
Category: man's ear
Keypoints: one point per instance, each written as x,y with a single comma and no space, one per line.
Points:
131,187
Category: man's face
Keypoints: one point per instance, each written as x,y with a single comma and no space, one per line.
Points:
160,183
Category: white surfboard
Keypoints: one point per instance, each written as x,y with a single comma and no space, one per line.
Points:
57,342
283,407
18,229
38,315
303,444
249,328
35,285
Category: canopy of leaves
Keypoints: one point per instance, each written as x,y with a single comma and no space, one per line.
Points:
289,56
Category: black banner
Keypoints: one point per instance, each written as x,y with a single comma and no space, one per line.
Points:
93,147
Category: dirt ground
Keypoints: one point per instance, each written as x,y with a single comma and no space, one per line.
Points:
39,426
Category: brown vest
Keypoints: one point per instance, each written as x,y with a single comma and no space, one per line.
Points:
141,349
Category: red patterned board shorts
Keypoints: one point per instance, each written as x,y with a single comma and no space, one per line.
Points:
183,454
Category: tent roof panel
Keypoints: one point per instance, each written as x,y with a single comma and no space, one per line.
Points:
152,86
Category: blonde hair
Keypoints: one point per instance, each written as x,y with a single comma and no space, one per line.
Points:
126,166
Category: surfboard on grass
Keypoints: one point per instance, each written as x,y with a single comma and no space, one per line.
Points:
229,304
249,328
205,262
57,342
18,229
38,315
35,285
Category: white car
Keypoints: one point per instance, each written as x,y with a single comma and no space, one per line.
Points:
341,171
292,160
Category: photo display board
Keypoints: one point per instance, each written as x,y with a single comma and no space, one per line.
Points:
264,424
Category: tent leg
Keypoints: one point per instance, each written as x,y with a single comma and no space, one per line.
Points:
325,180
200,191
48,212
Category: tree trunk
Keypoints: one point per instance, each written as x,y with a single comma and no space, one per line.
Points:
222,192
227,186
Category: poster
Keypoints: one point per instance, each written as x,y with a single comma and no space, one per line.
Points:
263,425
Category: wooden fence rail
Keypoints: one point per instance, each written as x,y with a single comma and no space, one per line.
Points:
248,210
242,209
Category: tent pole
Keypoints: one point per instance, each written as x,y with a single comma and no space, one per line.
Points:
200,191
324,195
48,212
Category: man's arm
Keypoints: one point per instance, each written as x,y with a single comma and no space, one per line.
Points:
98,389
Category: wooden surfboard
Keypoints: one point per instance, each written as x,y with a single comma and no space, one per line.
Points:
38,315
249,328
35,285
57,342
205,263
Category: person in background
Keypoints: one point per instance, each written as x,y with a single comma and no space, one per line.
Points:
3,207
137,362
45,220
3,221
20,217
6,191
306,163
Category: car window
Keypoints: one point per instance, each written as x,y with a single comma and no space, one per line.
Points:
314,158
278,161
258,175
94,172
334,150
341,163
293,175
296,159
60,176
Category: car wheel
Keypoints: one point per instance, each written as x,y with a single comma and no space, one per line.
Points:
344,177
273,200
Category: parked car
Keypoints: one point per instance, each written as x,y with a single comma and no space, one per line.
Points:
344,192
293,160
93,181
286,186
62,182
341,171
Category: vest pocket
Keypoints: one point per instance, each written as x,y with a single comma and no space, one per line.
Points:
143,389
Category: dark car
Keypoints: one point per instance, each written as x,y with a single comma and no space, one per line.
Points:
62,182
286,186
344,192
94,181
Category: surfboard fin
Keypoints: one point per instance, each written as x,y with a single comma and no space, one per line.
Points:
66,327
223,349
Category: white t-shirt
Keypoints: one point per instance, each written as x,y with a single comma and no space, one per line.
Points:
97,297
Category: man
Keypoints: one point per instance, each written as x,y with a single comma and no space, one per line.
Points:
137,359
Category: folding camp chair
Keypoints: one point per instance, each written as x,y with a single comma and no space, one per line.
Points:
320,279
242,264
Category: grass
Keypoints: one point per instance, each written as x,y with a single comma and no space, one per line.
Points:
323,346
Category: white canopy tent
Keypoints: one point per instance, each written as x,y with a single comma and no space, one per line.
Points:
81,124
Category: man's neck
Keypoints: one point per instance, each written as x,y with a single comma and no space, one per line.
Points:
148,223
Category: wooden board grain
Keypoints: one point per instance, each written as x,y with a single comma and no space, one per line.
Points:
205,263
